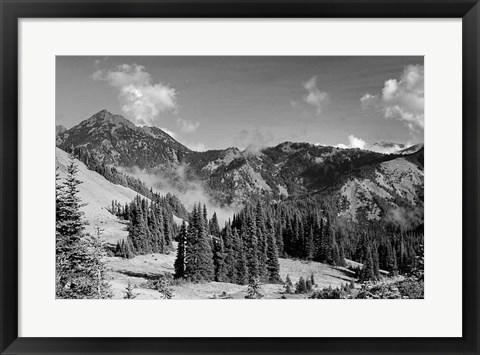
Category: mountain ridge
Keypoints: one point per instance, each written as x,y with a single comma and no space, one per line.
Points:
232,176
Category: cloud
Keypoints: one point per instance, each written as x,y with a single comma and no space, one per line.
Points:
382,147
189,190
252,141
401,98
390,149
197,147
140,99
187,126
353,142
316,98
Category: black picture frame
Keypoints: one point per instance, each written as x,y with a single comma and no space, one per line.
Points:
12,11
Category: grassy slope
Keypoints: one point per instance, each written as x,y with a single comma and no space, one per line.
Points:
143,267
98,193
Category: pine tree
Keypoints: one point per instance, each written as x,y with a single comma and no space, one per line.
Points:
319,252
288,285
138,228
219,260
301,286
199,257
279,235
308,285
310,246
249,236
262,238
213,226
206,267
80,271
129,294
273,267
394,263
179,264
229,246
327,242
191,245
94,266
129,249
70,224
253,291
167,231
155,242
376,264
241,268
368,270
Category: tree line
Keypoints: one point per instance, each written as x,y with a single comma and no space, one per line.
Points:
115,176
151,227
242,252
248,246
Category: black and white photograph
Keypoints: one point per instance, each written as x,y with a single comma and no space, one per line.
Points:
239,177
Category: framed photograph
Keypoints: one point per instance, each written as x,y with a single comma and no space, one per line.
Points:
239,177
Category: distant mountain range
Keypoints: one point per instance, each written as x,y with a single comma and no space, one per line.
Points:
362,183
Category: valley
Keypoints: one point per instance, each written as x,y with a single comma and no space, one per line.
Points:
313,209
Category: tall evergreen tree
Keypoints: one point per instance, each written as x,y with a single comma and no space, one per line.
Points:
310,246
279,235
80,270
273,268
191,245
179,264
229,246
376,265
241,267
249,237
262,238
206,267
214,228
199,257
368,269
219,256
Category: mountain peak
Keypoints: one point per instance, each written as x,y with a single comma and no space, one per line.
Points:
106,116
102,114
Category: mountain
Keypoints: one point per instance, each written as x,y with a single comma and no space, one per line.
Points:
361,183
393,145
391,190
396,148
412,149
287,169
388,147
113,140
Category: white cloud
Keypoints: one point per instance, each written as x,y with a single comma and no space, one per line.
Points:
253,140
353,142
187,126
356,142
141,99
402,98
383,147
197,147
315,97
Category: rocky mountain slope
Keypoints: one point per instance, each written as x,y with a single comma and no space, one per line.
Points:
113,140
359,180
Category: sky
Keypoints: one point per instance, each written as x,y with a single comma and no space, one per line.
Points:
251,102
